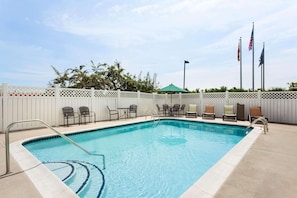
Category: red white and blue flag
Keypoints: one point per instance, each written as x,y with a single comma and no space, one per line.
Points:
261,61
251,40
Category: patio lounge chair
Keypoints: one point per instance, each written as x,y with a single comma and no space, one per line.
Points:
255,112
229,113
69,113
209,112
85,112
192,111
133,109
182,110
113,112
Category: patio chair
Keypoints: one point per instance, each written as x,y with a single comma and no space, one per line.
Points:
69,113
175,109
209,112
229,113
159,110
192,111
113,112
133,109
166,109
85,112
255,112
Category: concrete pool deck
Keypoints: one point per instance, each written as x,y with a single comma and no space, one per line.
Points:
268,169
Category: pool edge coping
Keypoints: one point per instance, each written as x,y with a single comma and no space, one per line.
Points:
206,186
210,183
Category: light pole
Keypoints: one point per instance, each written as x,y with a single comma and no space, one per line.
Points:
185,62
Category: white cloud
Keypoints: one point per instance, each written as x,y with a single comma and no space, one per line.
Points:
145,9
158,35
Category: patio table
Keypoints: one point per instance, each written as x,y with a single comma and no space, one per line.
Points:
123,112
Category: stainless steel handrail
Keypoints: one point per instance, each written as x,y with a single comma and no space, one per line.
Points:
7,153
156,119
263,120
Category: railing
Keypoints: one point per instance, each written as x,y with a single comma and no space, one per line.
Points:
264,122
7,153
156,118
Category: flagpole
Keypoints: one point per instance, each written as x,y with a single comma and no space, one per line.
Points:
253,64
184,82
240,57
261,77
263,66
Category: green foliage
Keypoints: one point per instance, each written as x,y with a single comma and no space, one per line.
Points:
103,76
277,89
293,86
222,89
234,89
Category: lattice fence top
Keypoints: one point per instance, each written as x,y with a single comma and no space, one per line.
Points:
105,93
214,95
243,95
279,95
30,91
75,92
79,93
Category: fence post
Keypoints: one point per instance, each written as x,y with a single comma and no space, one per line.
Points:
201,102
119,98
166,99
92,98
138,97
57,101
4,106
259,97
227,97
180,98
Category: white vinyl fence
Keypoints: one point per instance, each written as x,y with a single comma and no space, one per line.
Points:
24,103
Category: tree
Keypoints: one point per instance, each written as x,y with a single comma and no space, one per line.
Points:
62,80
293,86
103,76
115,77
97,78
79,77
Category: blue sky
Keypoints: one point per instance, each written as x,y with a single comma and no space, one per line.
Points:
150,36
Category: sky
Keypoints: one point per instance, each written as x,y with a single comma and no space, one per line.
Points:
150,36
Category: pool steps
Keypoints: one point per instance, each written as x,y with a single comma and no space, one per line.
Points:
7,153
78,175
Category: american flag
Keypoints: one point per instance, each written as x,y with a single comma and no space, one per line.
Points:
251,40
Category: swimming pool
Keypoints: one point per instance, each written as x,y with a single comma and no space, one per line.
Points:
141,160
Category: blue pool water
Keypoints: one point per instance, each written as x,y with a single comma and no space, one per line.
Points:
142,160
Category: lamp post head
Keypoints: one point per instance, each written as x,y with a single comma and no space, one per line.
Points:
186,61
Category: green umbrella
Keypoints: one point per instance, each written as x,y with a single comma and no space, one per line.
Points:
172,89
